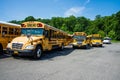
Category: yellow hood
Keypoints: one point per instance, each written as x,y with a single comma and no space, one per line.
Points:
96,41
25,39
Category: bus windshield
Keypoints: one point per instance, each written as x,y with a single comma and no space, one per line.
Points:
32,31
79,37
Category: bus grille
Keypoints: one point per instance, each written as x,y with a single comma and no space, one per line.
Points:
17,45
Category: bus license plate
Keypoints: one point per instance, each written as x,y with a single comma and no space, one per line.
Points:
15,52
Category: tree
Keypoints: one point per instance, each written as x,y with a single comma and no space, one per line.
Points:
70,22
30,18
117,27
106,26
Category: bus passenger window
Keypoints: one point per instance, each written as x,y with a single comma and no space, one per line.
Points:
46,33
4,31
3,34
11,31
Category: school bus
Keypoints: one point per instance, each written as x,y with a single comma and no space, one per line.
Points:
8,31
81,40
96,40
37,37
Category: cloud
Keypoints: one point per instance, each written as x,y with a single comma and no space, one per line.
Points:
74,11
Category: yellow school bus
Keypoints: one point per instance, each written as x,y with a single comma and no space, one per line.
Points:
37,37
8,31
96,40
81,40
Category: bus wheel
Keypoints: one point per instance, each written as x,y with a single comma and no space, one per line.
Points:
62,47
38,52
87,46
14,56
101,45
74,47
1,49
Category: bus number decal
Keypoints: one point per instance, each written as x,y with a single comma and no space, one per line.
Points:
31,25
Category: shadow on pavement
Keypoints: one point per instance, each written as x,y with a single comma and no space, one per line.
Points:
48,55
54,53
4,56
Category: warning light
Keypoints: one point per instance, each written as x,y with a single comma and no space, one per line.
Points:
23,25
39,25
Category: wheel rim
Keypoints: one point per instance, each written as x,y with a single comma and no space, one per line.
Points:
38,53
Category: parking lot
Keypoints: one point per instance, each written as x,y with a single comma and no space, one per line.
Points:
97,63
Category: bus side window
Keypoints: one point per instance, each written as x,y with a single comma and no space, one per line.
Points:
3,34
50,34
16,32
4,31
11,30
46,33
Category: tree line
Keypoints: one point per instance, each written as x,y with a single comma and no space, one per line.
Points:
106,26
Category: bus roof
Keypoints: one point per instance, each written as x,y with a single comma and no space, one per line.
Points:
51,27
56,29
2,22
96,35
80,33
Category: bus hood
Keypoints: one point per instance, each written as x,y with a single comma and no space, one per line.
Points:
25,39
94,41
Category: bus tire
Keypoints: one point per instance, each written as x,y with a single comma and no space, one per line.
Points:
87,46
1,49
14,56
74,47
101,45
38,52
62,47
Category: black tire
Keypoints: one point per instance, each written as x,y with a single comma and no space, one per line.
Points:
62,47
74,47
101,45
87,46
38,52
1,49
14,56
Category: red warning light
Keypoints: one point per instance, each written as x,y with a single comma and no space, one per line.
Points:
39,25
23,25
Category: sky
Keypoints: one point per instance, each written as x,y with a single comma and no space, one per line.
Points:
46,9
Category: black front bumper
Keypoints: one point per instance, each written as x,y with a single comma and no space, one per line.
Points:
21,52
97,44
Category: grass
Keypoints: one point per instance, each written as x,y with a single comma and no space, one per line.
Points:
115,41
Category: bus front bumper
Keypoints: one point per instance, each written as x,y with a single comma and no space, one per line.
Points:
96,44
21,52
79,45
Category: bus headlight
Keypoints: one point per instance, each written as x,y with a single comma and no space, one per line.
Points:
9,45
29,47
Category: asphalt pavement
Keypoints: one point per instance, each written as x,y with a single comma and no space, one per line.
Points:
97,63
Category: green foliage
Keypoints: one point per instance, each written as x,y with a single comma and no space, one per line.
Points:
106,26
102,33
111,34
117,26
30,18
16,22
